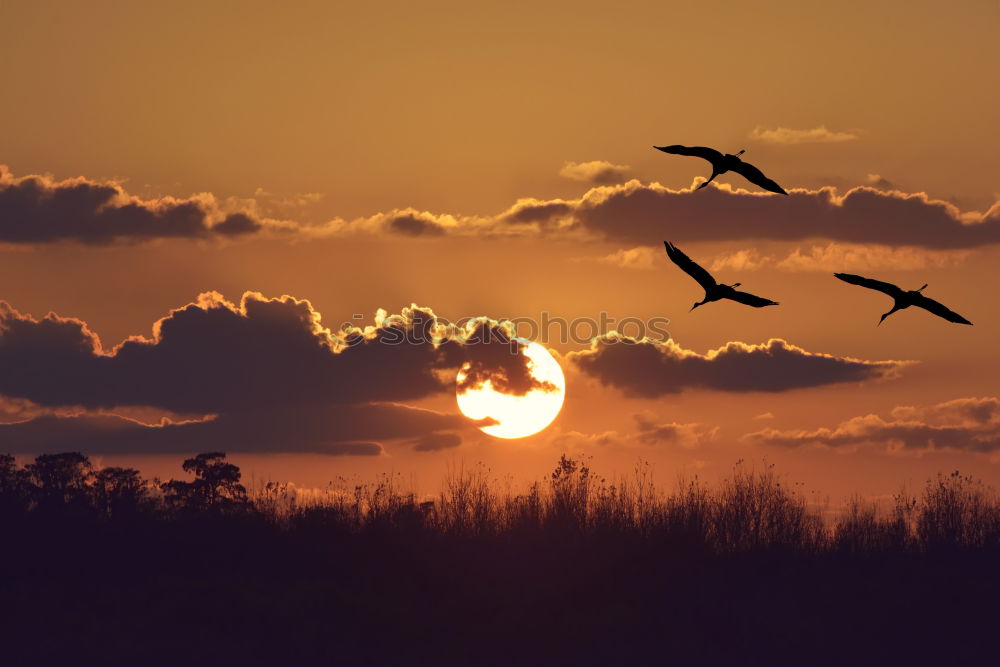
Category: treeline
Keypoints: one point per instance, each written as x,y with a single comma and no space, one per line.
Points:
101,566
69,484
751,509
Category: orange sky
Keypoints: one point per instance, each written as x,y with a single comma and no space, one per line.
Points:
324,124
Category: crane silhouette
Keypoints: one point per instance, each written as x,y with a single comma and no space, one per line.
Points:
714,291
721,163
904,298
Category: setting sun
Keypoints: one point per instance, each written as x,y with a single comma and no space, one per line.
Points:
517,416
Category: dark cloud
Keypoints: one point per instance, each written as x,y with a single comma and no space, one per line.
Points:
650,432
648,369
969,424
270,373
114,434
433,442
531,210
634,213
237,224
37,209
414,224
496,358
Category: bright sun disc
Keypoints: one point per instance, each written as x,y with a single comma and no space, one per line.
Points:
517,416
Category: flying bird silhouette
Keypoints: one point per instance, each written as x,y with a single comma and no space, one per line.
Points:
904,298
723,163
713,291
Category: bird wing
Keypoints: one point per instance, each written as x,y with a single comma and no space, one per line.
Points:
939,309
689,266
886,288
751,299
704,153
757,177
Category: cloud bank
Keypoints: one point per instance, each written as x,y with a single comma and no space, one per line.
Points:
649,369
966,424
261,375
38,210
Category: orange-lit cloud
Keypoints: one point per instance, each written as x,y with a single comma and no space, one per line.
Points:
842,257
642,258
816,135
746,259
597,172
970,424
648,368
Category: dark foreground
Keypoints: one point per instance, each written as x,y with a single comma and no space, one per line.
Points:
739,576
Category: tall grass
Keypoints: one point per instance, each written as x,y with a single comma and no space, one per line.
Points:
751,509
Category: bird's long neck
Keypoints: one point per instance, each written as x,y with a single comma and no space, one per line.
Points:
742,151
922,288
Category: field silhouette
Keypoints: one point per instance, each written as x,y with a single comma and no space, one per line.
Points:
103,567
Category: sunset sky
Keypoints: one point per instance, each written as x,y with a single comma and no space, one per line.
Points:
228,183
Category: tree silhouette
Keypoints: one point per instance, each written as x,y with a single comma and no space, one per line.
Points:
215,486
14,497
60,481
119,491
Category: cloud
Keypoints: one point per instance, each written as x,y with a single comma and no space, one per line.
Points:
496,359
740,260
635,213
433,442
114,434
654,432
842,257
855,257
650,432
261,375
877,181
649,369
597,172
816,135
39,209
967,424
642,258
414,224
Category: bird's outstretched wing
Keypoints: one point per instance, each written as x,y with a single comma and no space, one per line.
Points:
689,266
751,299
709,154
940,310
757,177
886,288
